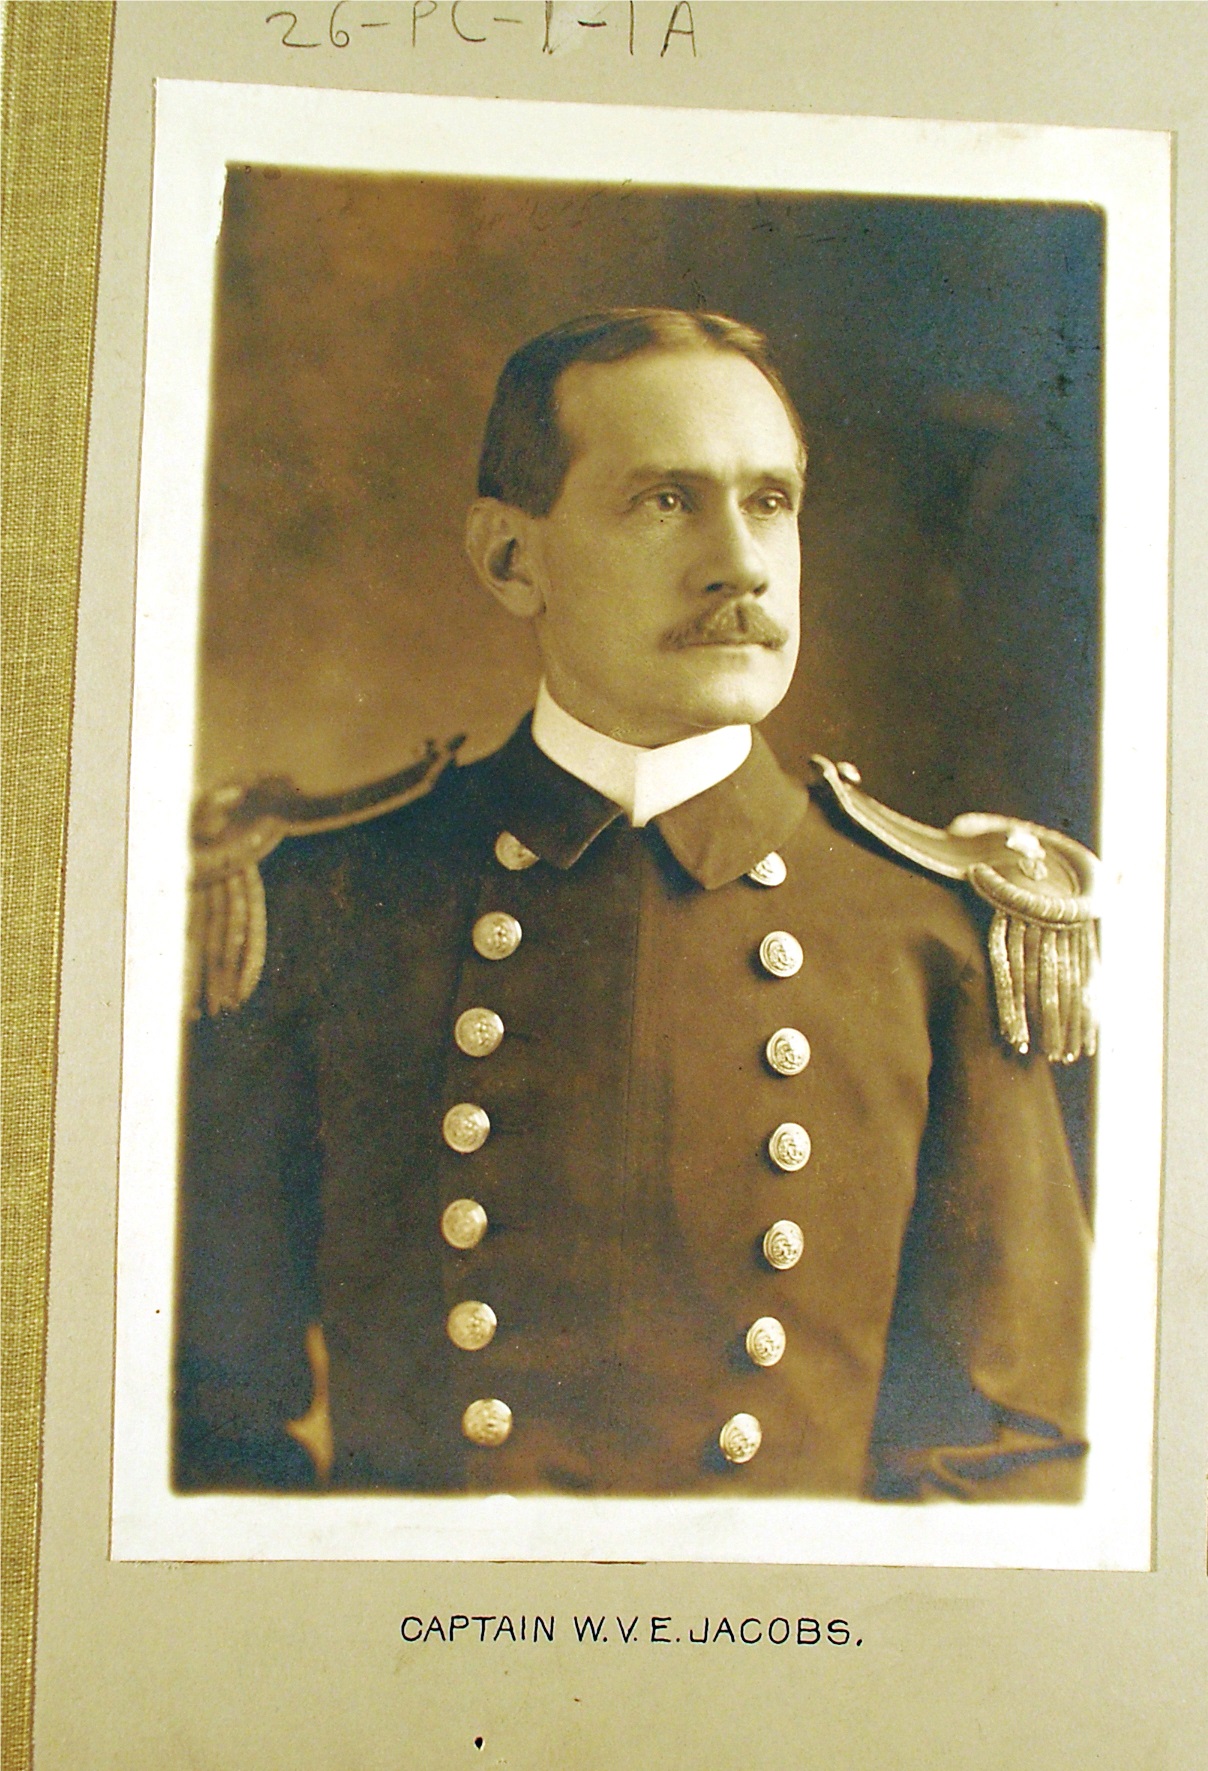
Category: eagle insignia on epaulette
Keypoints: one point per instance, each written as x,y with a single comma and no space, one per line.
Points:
1039,884
234,830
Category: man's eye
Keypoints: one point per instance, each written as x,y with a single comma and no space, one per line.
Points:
667,501
770,503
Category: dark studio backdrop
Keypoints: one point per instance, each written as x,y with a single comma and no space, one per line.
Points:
945,357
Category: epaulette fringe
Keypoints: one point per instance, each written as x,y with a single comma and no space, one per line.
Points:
1040,885
235,829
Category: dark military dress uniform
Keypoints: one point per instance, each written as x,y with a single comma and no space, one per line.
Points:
678,1160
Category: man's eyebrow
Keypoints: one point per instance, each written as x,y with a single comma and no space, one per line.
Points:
782,475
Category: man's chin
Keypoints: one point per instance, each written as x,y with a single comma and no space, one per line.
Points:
734,684
741,696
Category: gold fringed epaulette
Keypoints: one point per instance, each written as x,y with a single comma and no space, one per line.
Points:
1040,886
234,830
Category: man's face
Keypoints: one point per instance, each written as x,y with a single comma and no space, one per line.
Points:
669,568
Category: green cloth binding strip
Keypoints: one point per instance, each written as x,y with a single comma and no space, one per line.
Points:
56,86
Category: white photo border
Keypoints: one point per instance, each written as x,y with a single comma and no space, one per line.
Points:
200,128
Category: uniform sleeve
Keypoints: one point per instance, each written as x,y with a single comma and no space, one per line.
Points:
248,1238
983,1391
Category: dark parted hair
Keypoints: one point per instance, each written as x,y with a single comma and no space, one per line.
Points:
526,454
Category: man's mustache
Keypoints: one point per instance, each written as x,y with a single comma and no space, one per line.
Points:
736,623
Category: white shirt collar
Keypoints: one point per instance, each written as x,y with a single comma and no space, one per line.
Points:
644,783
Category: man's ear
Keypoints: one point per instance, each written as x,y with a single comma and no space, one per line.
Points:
501,546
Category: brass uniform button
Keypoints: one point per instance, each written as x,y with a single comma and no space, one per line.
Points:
511,853
789,1146
787,1051
487,1421
783,1244
471,1325
848,772
740,1438
766,1341
478,1032
465,1128
780,954
496,935
771,871
463,1223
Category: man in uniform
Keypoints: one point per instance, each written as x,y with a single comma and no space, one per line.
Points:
617,1115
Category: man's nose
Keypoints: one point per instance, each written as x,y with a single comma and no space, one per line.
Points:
734,561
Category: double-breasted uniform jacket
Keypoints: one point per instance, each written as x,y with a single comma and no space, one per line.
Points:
612,1161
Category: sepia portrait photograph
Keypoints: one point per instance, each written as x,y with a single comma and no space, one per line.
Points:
645,899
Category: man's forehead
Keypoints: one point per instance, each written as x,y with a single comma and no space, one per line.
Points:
669,407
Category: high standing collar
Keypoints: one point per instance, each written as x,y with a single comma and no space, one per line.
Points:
715,837
644,781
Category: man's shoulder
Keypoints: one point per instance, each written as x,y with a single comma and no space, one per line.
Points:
393,830
269,851
1034,888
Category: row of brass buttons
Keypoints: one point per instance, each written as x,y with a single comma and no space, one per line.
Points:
478,1032
787,1052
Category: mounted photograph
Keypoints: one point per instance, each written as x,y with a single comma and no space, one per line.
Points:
645,915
